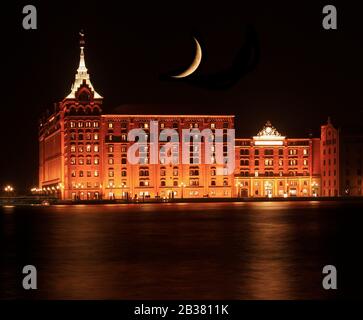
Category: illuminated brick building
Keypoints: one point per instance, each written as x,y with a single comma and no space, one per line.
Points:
83,154
271,165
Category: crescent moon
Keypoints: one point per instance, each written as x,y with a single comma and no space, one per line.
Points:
195,64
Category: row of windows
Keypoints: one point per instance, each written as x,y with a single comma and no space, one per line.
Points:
86,136
81,161
329,151
270,152
192,183
88,148
175,125
329,161
272,173
270,162
335,173
81,173
84,124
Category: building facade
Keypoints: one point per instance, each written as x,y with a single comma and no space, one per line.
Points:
84,154
271,165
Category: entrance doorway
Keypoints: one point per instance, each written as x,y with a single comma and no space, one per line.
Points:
268,189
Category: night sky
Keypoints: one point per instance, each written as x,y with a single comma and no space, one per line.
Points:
304,73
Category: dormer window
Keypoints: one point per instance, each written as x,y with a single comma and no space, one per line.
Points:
84,96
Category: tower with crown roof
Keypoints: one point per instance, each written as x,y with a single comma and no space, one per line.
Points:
70,141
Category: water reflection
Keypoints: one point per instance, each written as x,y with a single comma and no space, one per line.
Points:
259,250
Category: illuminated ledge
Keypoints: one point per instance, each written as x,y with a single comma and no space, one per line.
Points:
268,143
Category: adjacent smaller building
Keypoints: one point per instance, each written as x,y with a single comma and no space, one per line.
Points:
271,165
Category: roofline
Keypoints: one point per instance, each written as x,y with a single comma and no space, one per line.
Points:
166,116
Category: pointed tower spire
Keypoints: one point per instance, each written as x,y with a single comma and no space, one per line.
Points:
82,73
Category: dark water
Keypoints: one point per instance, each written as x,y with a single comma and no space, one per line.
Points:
182,251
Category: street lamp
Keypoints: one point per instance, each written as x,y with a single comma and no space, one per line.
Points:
182,191
8,189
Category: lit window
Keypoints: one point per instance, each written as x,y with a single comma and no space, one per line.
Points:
73,148
72,124
96,173
88,148
95,136
175,171
110,125
96,124
88,124
80,124
96,161
81,161
213,125
80,148
110,161
95,148
73,173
